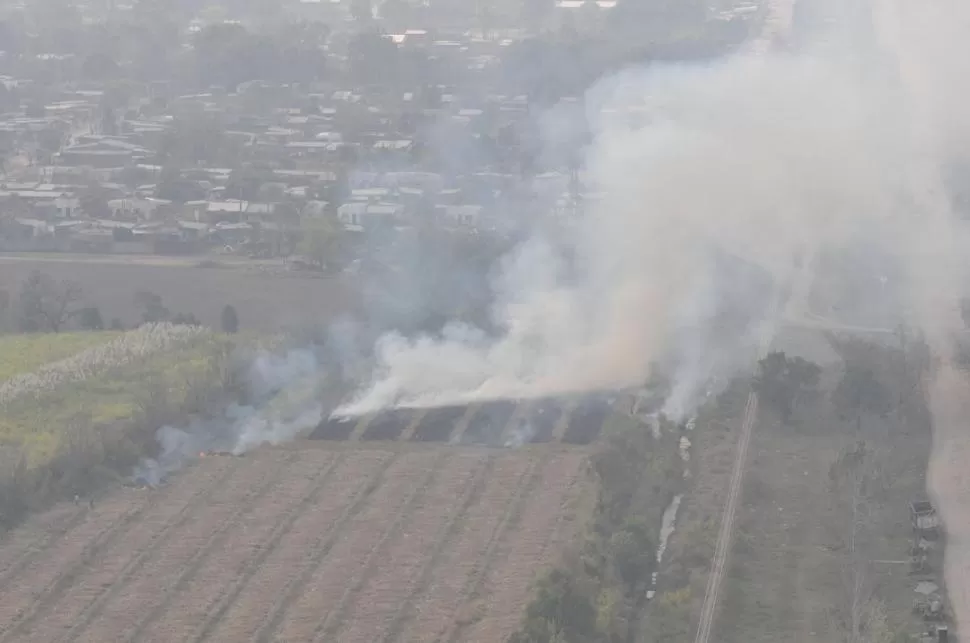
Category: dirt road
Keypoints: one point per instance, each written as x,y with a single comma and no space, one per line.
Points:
927,41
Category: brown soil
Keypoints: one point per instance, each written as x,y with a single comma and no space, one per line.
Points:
313,542
264,302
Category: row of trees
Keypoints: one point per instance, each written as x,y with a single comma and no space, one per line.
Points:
595,594
46,304
152,43
856,481
786,384
876,381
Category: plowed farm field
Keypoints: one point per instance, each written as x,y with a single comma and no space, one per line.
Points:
316,541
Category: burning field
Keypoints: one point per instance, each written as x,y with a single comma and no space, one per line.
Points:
499,423
325,542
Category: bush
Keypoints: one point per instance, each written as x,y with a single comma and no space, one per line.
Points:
785,382
84,456
46,304
634,553
561,611
90,318
186,319
592,598
670,617
230,319
153,310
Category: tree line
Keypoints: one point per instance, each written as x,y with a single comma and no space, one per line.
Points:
48,305
595,593
787,384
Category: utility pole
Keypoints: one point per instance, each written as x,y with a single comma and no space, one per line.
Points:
901,332
575,186
904,375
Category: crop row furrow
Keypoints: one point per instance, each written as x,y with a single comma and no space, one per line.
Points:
479,575
449,533
325,587
103,577
37,536
239,561
507,582
432,612
257,610
398,566
197,601
46,577
43,532
332,623
167,565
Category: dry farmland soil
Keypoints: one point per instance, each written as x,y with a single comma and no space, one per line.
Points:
319,541
265,303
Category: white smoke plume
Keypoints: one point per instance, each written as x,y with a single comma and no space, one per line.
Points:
759,158
286,394
521,434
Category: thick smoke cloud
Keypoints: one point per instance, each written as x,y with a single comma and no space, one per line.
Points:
929,43
760,158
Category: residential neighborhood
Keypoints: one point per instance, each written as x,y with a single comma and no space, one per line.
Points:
257,137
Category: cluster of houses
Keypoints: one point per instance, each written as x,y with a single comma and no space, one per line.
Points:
140,166
80,177
243,169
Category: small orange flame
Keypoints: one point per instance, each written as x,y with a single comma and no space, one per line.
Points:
201,454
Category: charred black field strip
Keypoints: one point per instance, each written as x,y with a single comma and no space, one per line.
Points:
331,624
586,421
217,538
541,420
513,511
229,596
131,566
486,425
317,554
102,541
438,423
472,493
335,429
388,425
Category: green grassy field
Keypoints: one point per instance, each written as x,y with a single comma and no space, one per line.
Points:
163,383
25,353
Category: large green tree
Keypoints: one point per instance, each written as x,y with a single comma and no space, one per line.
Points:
320,241
859,392
783,382
47,304
560,612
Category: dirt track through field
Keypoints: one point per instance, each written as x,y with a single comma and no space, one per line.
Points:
297,544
